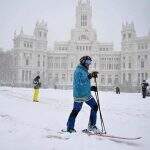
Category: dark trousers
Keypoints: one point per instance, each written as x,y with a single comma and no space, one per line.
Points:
76,109
144,93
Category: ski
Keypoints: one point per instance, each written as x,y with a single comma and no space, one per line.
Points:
64,135
109,135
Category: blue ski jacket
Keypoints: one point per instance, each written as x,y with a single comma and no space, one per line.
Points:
81,84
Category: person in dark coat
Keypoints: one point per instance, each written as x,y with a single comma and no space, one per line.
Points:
37,85
117,90
144,88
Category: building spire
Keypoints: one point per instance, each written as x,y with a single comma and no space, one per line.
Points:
15,33
21,32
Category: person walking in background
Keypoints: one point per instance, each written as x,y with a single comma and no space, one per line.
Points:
37,85
82,93
117,90
144,88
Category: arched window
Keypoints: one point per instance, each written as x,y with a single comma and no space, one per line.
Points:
83,37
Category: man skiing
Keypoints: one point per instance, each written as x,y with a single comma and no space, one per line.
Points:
82,93
37,85
144,88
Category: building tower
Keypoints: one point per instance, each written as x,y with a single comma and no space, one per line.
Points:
83,14
128,32
83,28
40,34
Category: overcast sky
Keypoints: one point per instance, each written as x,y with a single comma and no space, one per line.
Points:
108,16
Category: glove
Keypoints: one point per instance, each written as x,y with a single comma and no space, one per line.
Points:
94,74
94,88
90,76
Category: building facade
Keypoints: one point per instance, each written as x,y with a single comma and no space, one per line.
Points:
125,68
30,55
6,60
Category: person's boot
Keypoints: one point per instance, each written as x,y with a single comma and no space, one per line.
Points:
94,129
70,130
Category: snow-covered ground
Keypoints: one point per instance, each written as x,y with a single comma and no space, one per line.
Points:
24,124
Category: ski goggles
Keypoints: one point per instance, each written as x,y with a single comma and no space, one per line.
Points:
88,62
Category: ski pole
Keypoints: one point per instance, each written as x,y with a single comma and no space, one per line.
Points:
98,103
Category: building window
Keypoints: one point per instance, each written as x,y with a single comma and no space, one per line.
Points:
117,66
86,47
40,33
146,56
139,46
63,77
139,78
50,76
27,62
83,20
38,64
26,76
71,77
124,77
71,64
22,75
129,65
124,36
146,47
124,65
109,66
56,76
146,76
30,75
142,64
44,61
102,79
50,62
116,79
83,37
142,75
129,77
90,47
109,79
80,47
129,35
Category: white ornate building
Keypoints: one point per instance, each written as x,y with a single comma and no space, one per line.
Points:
30,55
125,68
